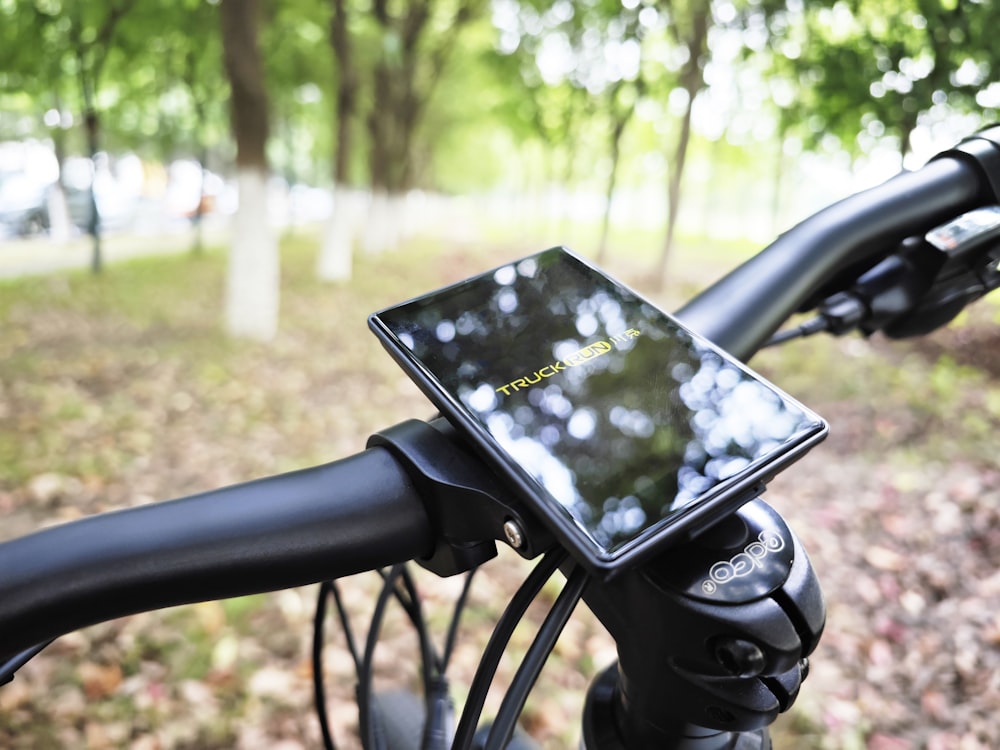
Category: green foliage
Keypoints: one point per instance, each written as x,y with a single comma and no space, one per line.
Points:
299,73
514,92
867,71
151,68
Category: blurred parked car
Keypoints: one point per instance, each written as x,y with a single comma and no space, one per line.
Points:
25,202
24,210
115,202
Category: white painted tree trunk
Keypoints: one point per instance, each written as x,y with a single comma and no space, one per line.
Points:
336,248
383,229
252,282
398,219
60,226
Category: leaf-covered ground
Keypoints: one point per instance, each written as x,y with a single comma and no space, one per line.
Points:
121,391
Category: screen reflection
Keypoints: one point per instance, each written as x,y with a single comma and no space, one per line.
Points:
618,413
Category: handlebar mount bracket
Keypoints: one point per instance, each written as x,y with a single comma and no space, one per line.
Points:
467,506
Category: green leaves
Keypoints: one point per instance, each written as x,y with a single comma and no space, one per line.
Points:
897,64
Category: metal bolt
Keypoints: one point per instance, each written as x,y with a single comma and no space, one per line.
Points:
514,534
741,658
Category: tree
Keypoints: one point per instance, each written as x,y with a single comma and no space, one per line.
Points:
34,84
252,282
621,103
56,40
867,72
337,244
91,39
196,39
415,43
171,96
581,73
298,74
688,25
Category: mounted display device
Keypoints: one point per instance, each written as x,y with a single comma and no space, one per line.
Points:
619,427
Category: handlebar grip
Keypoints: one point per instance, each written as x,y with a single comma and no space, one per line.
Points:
341,518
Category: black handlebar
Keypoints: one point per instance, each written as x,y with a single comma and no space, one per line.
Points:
742,310
346,517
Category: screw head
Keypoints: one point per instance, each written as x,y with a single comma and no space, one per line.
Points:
739,657
513,533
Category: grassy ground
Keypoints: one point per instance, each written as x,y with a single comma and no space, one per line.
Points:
121,390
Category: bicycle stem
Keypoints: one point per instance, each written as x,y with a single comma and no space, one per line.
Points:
712,639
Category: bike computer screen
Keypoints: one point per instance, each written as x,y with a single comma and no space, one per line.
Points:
621,428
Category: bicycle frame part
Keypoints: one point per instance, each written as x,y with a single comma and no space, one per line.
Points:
346,517
712,640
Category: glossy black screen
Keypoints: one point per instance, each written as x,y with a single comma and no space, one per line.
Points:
619,414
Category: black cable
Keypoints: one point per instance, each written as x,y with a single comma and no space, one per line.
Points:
319,690
367,725
408,598
810,327
8,668
345,625
513,702
480,686
449,644
431,666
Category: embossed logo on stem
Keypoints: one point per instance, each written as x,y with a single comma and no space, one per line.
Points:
746,562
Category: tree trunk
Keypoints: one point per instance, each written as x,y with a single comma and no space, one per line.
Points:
91,54
779,175
252,296
616,139
253,274
383,228
198,219
906,127
379,234
60,224
403,84
91,124
336,249
336,252
199,103
692,80
675,174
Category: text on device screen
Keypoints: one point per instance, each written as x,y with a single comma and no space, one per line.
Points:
619,414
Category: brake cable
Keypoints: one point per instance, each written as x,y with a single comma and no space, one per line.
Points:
504,629
409,599
319,690
8,668
526,675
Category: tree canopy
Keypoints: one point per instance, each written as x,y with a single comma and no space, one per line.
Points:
468,94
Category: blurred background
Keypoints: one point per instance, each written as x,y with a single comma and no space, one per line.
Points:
201,201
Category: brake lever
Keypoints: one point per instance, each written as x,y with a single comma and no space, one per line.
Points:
921,287
970,249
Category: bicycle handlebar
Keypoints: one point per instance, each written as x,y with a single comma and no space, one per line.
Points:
338,519
743,309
